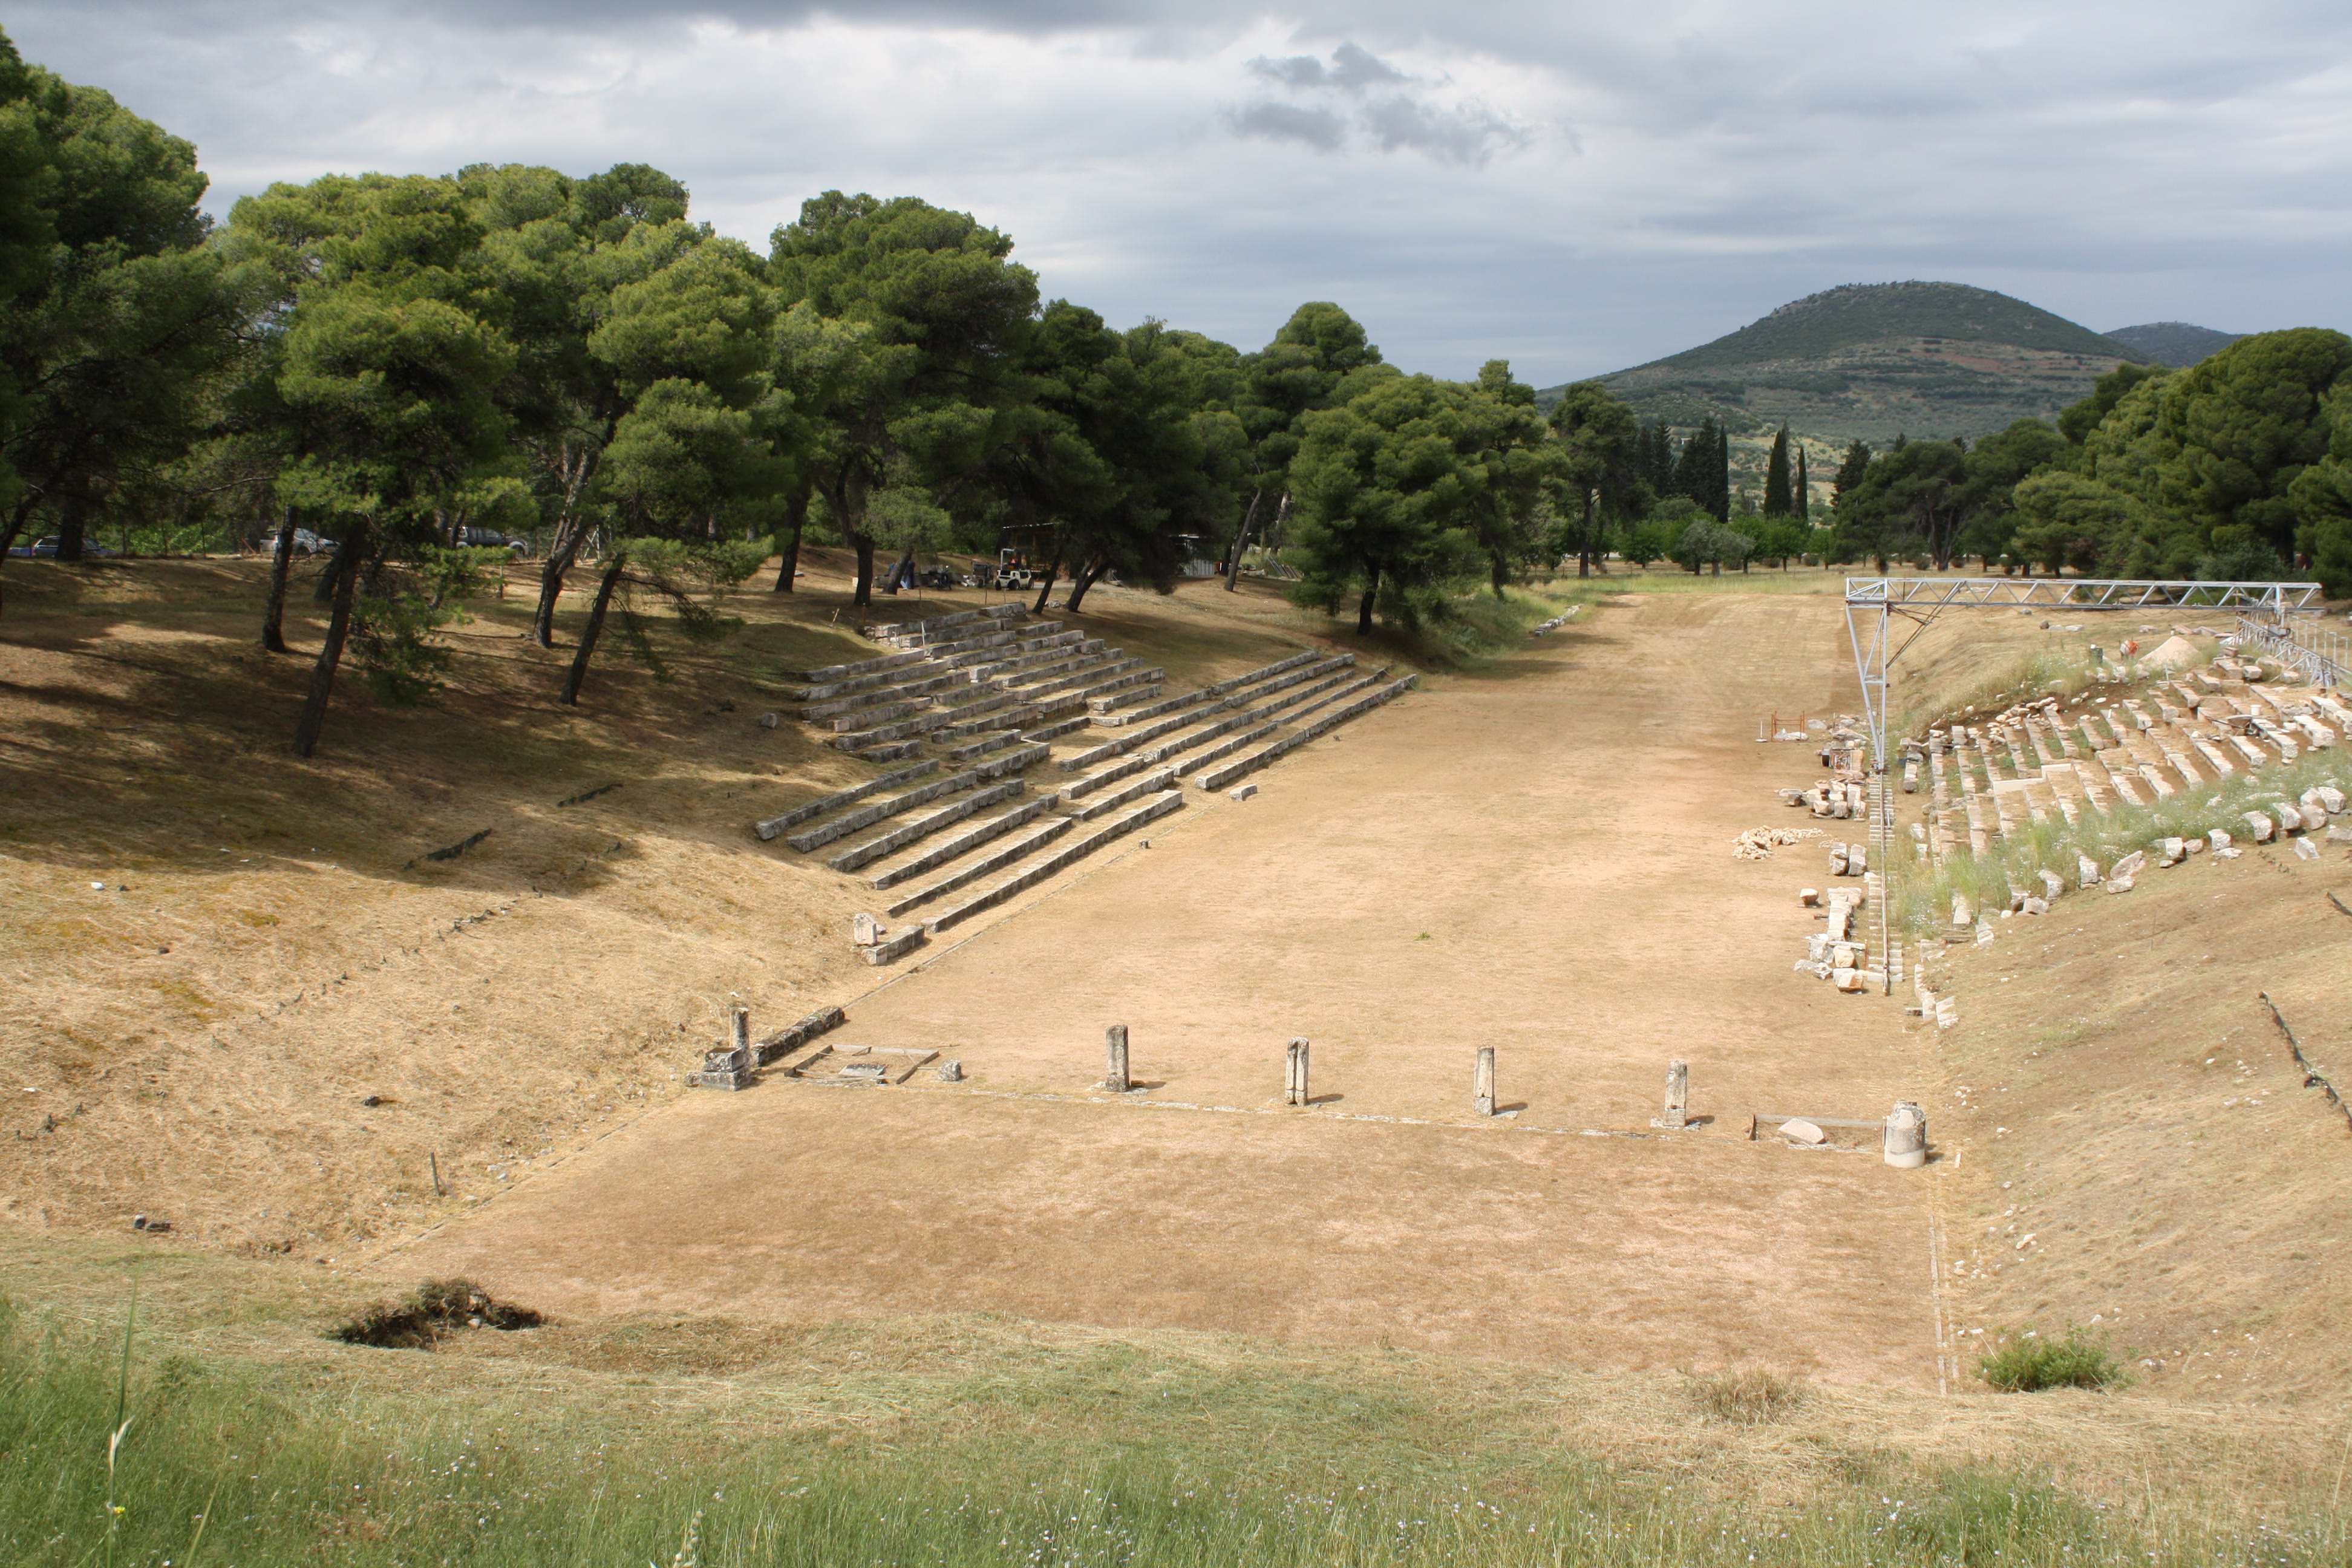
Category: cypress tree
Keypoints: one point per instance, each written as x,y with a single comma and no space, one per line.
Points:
1691,477
1803,499
1723,473
1775,477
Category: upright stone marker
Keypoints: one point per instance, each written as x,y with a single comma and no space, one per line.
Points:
1482,1088
1907,1136
1115,1077
1294,1074
865,930
1677,1113
740,1023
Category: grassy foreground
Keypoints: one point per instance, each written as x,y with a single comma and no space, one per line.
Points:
1109,1463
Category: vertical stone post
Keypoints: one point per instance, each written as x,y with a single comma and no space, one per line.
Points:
739,1022
1482,1088
1677,1113
1907,1136
1115,1077
865,930
1294,1074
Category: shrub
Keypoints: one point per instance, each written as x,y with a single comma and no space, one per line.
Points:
2023,1363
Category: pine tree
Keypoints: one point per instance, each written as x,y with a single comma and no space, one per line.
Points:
1775,477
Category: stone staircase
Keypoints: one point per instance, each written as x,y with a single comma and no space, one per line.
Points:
1025,748
2179,736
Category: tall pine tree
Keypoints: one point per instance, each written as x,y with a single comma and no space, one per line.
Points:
1775,477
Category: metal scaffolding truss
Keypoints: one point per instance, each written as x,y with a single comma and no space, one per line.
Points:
2079,593
1870,603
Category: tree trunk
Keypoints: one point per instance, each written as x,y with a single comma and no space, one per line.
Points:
17,518
1364,610
1584,552
73,523
897,574
1241,542
281,561
796,517
1086,578
1053,570
588,632
864,597
344,577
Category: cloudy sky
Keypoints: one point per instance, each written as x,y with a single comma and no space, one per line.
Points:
1574,185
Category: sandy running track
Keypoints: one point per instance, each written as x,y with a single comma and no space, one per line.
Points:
1536,860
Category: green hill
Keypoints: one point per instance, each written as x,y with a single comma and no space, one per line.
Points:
2176,343
1870,361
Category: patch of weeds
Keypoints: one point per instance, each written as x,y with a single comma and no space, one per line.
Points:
2025,1362
1749,1396
433,1309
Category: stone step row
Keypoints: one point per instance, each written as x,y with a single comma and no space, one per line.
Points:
995,861
1105,705
1062,649
1060,860
841,827
1113,662
890,686
963,843
1219,777
836,672
852,685
943,628
1150,784
771,826
1235,682
923,826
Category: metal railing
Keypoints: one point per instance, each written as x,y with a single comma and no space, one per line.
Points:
2322,656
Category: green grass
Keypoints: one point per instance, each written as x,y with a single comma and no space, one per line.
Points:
1924,901
224,1467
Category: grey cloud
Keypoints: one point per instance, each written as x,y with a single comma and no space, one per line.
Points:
1317,127
1353,68
1469,135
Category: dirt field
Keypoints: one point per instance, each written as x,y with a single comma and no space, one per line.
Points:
1537,860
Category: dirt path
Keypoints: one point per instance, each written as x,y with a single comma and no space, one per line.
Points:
1538,860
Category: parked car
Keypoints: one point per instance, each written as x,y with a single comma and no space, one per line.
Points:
490,538
46,547
309,543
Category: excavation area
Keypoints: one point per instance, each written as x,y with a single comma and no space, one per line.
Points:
1535,861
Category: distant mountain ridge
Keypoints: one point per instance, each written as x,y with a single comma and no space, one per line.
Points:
1870,361
2176,343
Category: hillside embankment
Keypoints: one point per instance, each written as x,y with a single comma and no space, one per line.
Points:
216,953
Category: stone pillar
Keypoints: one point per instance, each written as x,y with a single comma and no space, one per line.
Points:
865,930
1907,1136
740,1023
1677,1115
1294,1074
1482,1088
1115,1077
